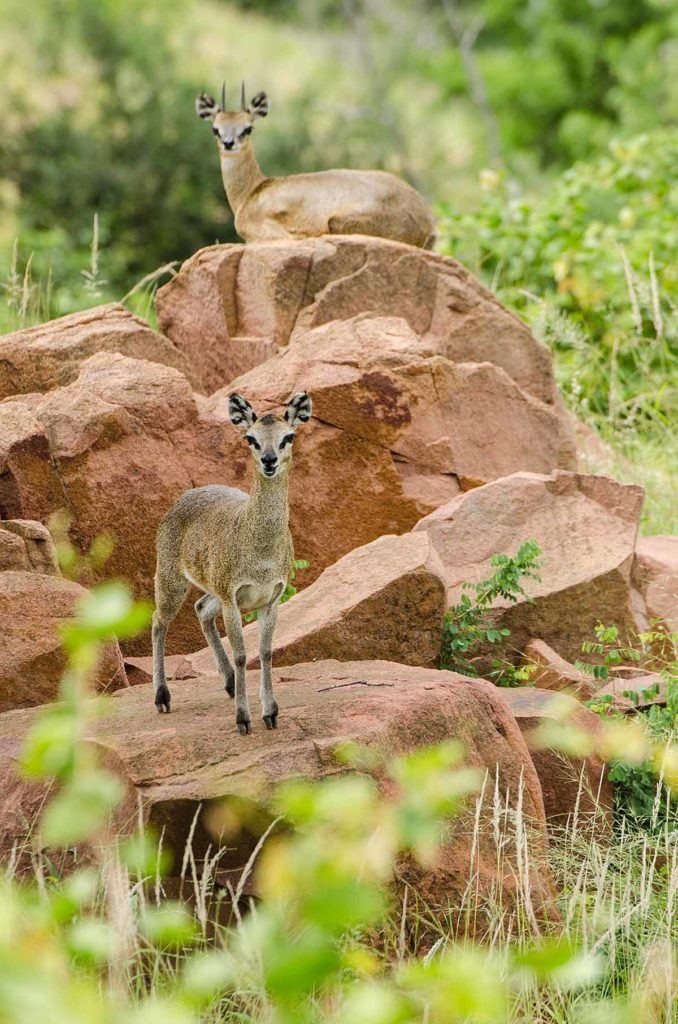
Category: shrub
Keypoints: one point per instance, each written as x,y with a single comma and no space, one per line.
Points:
469,628
641,799
591,265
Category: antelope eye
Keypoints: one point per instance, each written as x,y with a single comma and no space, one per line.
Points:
253,442
244,132
287,439
215,131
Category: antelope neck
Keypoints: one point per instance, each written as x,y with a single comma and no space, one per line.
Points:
240,174
268,509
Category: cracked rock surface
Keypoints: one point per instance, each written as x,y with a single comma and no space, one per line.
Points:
232,306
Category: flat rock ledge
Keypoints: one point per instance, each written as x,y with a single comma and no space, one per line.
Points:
184,764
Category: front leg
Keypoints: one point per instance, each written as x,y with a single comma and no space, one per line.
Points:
267,620
233,623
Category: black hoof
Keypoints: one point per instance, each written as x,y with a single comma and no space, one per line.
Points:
271,721
244,724
230,687
162,699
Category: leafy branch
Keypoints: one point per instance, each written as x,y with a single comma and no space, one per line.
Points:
468,626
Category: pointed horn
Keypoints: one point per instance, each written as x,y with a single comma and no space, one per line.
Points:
223,95
242,96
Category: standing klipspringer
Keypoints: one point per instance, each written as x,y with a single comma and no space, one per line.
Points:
238,550
338,202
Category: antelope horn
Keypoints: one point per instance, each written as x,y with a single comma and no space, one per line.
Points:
242,96
223,95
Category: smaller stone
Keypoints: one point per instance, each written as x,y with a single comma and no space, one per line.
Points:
33,607
49,355
26,545
586,528
555,673
655,573
643,686
140,670
570,785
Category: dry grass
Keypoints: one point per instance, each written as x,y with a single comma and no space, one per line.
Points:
615,901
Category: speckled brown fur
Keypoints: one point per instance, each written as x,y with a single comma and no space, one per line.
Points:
238,550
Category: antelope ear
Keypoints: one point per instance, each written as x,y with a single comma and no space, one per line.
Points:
206,107
299,408
259,105
240,412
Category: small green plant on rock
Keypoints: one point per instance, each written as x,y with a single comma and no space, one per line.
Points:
468,627
505,673
611,652
640,797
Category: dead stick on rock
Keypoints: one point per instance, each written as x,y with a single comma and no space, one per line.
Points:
357,682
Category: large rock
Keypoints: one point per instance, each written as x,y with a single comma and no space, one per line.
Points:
180,766
115,448
396,430
121,443
383,600
656,576
586,527
48,356
26,546
232,306
32,608
375,379
576,791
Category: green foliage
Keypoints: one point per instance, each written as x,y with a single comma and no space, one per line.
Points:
591,265
469,627
127,147
564,76
640,798
609,650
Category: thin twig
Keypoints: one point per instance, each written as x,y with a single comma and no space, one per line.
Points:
358,682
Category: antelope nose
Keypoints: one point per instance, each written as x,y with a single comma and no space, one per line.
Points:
269,461
228,144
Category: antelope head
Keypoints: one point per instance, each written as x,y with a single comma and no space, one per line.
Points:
270,437
232,128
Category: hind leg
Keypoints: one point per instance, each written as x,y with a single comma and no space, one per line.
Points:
207,609
170,594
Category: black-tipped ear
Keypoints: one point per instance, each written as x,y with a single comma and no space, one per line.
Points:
299,408
240,412
206,107
259,105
